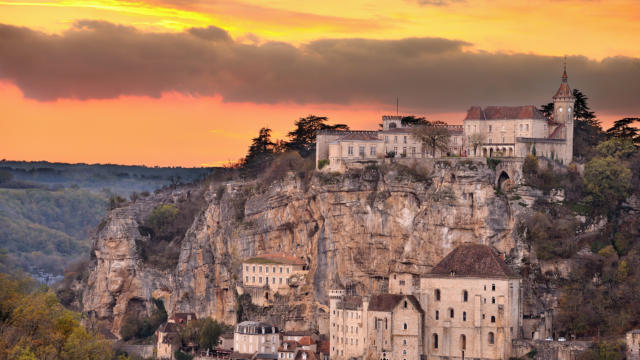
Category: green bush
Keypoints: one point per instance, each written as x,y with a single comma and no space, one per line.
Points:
322,163
493,163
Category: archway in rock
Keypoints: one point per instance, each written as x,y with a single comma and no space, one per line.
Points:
504,181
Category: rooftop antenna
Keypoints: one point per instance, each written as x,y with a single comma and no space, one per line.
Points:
397,106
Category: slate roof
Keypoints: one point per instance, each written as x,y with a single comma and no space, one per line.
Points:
366,136
297,333
387,302
275,259
504,113
472,260
169,328
350,302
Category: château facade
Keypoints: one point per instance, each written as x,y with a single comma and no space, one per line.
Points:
467,307
492,131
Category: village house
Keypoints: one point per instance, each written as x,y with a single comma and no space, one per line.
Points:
265,275
256,337
168,334
472,302
492,131
468,306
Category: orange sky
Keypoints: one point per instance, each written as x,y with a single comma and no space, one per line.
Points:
194,130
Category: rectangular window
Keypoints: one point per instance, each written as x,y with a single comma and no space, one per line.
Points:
280,280
503,139
260,269
287,270
372,151
350,150
520,127
246,279
254,268
386,139
404,150
361,151
527,127
413,150
260,279
280,269
490,142
405,139
247,268
489,128
395,139
266,269
274,280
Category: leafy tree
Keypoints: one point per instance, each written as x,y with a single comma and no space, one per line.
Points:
608,183
477,139
210,332
413,120
161,221
587,130
303,138
622,129
434,136
34,325
620,148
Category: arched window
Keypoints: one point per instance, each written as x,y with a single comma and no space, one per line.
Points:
493,319
435,341
465,296
464,316
405,304
437,314
392,125
492,339
451,313
463,342
405,326
437,294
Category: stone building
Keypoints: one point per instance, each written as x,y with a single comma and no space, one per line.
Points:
472,304
633,345
265,275
383,326
394,327
467,306
167,340
253,337
492,131
341,147
518,130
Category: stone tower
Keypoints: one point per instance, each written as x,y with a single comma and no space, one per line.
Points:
563,102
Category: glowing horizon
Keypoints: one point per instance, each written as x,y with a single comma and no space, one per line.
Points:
220,71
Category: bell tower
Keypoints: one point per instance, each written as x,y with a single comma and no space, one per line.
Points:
563,102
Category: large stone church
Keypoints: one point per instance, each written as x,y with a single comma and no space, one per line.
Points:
492,131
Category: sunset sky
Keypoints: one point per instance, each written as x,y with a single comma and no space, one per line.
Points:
189,82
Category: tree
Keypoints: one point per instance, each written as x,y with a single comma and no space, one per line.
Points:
622,129
413,120
303,138
433,135
547,110
210,334
260,152
620,148
608,183
587,130
477,139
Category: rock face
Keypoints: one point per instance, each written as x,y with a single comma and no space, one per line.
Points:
353,228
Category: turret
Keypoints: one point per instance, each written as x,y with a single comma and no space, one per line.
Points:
563,102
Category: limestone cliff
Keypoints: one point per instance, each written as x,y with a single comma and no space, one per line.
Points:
354,228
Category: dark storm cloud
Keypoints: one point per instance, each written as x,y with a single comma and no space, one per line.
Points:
102,60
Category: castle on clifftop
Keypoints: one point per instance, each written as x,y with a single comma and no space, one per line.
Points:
493,131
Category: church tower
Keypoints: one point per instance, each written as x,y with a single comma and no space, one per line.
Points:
563,102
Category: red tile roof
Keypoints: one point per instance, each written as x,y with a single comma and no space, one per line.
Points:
504,113
324,346
473,260
183,318
306,341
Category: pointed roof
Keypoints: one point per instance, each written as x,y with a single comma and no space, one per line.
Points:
564,92
387,302
472,260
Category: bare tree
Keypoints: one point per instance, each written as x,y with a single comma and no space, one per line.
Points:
433,135
477,139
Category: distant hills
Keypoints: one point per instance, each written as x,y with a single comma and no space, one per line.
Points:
47,210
